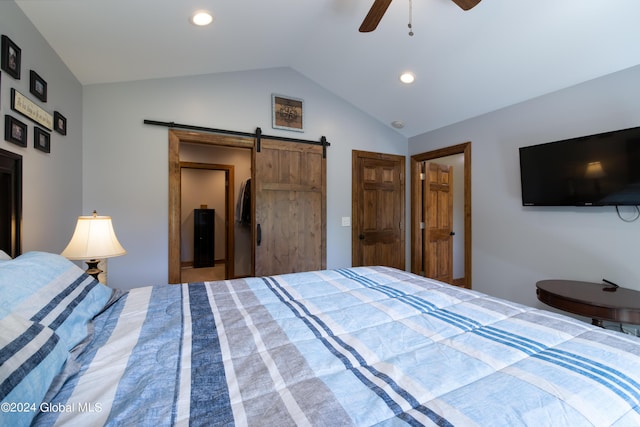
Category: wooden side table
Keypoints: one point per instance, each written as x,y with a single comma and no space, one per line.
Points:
595,300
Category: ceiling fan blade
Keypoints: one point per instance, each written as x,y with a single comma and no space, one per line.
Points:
466,4
374,16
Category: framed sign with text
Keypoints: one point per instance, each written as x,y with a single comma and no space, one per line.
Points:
30,109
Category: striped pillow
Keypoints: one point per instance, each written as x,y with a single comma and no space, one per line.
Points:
31,356
51,290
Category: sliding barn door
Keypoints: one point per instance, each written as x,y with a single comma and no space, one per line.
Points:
290,208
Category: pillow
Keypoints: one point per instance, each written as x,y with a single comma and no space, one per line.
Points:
31,356
51,290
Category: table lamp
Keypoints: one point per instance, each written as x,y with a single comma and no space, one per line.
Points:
93,240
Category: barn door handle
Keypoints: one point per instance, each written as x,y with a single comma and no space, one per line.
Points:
259,232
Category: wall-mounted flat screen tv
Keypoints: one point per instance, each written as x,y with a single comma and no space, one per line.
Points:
595,170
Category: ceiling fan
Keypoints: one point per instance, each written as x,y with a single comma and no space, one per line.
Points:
379,7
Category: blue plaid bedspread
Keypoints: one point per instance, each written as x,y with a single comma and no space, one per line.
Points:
360,346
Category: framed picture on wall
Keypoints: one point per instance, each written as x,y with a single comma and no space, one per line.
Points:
287,113
10,61
30,109
41,140
15,131
59,123
37,86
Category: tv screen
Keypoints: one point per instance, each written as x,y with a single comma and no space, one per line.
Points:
595,170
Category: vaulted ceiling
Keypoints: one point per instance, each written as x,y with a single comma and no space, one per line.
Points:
466,63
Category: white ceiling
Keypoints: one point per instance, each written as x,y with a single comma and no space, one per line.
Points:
466,63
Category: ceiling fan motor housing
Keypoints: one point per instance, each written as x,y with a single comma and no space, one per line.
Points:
379,8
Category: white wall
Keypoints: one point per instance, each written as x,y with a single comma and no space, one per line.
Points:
514,246
52,182
125,161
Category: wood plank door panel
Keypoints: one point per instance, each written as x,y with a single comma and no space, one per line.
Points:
290,208
438,228
378,209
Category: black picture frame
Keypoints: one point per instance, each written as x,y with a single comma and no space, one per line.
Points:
37,86
15,131
59,123
41,140
11,57
29,109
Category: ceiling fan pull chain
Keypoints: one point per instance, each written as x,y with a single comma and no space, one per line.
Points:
410,18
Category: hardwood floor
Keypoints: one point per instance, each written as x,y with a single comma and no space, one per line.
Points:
190,274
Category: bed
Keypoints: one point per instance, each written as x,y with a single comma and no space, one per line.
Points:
356,346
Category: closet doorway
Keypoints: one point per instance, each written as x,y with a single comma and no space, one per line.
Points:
210,153
438,240
206,250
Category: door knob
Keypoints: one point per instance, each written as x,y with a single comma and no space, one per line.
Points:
361,236
453,233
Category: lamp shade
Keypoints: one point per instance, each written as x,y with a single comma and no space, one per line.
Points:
93,238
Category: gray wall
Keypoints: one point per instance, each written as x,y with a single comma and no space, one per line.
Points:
514,246
52,183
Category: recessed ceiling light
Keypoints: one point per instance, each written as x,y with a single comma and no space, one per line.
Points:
407,77
201,18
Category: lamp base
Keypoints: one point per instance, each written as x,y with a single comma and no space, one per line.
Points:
93,269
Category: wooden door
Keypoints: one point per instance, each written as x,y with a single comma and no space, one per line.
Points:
417,205
378,211
290,208
10,202
438,222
